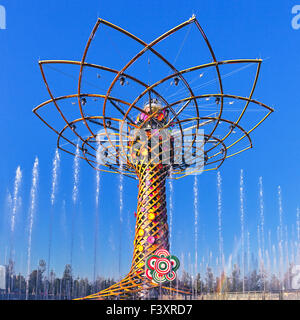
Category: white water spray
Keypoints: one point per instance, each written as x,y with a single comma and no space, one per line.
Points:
298,235
182,265
14,204
96,221
259,243
33,197
75,191
260,255
292,245
9,201
228,268
15,200
99,159
171,209
54,185
280,234
76,169
274,259
268,262
242,210
97,188
97,194
262,217
287,257
196,221
55,168
248,253
219,190
121,190
269,242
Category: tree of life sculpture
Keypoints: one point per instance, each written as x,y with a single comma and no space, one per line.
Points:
150,141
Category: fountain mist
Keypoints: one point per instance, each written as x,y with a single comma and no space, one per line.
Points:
259,246
248,253
96,222
76,171
14,206
171,194
55,168
196,221
280,235
33,196
219,191
286,249
121,190
298,235
274,259
242,224
15,200
97,194
54,185
262,217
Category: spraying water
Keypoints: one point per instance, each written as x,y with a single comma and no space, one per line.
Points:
248,253
182,264
171,193
98,180
219,191
54,185
97,188
15,205
262,217
274,258
260,264
196,221
63,220
242,224
33,196
112,246
248,259
190,271
55,168
210,258
280,235
269,242
202,268
96,221
287,258
268,261
76,171
121,189
9,202
259,245
15,200
228,268
292,244
298,235
260,255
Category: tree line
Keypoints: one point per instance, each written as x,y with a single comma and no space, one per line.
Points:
40,285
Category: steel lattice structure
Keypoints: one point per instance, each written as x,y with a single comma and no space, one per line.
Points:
119,143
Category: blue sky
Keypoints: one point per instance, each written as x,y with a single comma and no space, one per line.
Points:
59,30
